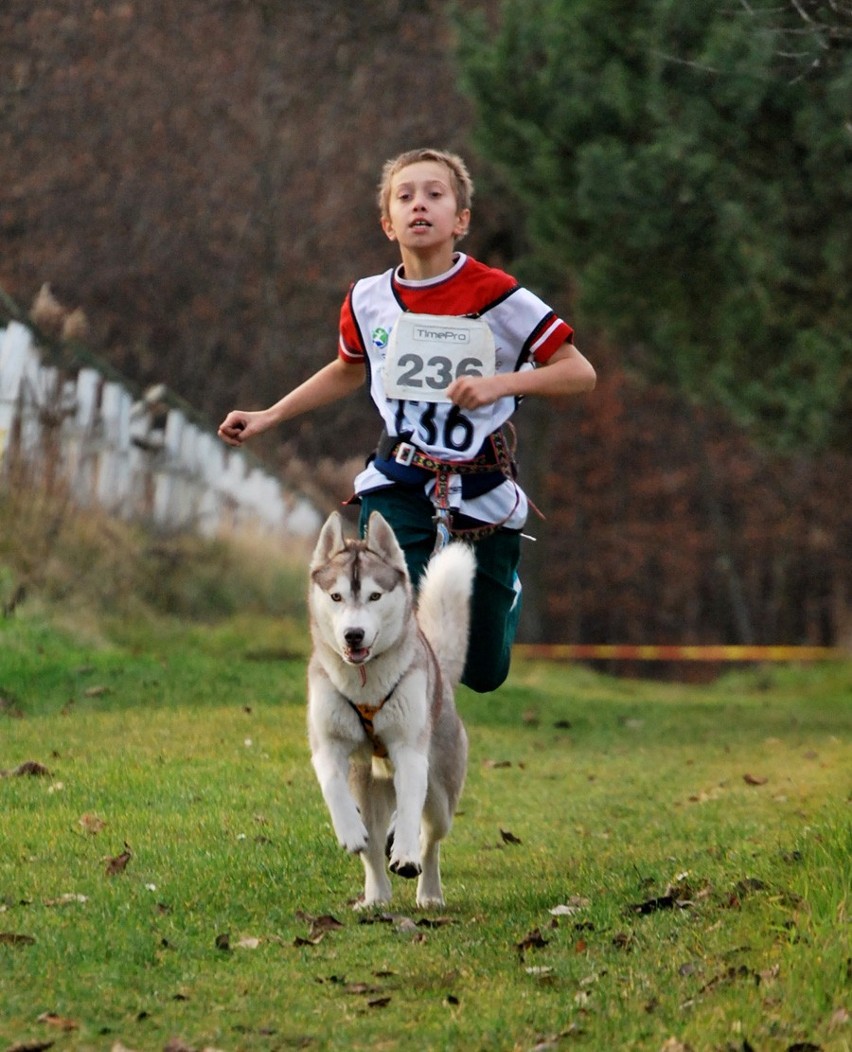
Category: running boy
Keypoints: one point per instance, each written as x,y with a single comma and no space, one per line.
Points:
448,346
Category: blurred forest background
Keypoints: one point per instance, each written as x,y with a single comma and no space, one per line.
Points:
676,179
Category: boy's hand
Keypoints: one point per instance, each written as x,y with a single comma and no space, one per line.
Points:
471,392
239,426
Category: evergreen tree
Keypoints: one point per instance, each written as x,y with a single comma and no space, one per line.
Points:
686,169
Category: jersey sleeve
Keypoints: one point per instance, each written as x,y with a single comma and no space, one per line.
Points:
550,334
350,347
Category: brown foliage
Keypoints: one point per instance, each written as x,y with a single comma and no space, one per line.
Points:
200,182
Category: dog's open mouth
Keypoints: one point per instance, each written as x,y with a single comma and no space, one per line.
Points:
356,655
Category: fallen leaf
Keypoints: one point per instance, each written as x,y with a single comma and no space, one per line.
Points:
570,908
248,942
301,941
753,779
223,942
58,1021
434,922
660,902
91,824
117,865
509,838
497,764
533,940
13,938
361,988
31,1046
67,899
380,1002
95,692
325,923
32,768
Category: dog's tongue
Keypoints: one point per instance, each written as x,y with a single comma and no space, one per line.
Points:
357,654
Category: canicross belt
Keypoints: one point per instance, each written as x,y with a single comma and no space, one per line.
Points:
496,460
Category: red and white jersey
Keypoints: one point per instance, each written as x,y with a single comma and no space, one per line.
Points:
526,332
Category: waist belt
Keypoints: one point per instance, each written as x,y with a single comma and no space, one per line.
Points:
402,461
495,456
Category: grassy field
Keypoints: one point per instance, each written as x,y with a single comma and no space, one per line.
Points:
635,865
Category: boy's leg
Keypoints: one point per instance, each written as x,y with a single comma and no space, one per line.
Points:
495,612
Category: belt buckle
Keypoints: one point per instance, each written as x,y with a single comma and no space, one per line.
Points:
405,453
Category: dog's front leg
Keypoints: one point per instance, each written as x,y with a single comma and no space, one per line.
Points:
410,779
331,764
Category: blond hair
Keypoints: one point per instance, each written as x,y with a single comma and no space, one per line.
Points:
460,180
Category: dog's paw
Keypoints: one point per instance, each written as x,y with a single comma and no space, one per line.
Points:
405,868
354,841
430,902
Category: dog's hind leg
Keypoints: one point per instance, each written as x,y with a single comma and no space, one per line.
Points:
373,790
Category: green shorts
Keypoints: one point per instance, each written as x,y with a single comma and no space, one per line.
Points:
496,603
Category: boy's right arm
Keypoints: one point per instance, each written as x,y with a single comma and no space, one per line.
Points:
331,383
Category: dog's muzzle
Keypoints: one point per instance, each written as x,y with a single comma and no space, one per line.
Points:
355,652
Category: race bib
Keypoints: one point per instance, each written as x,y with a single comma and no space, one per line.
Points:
426,352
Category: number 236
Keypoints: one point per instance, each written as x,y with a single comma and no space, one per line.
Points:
436,372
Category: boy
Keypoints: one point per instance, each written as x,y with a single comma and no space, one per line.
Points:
448,346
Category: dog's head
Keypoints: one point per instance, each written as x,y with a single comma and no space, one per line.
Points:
360,597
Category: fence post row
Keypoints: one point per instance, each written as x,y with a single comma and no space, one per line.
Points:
137,459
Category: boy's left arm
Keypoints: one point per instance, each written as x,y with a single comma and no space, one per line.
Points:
566,372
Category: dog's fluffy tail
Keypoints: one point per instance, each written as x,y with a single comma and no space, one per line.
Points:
443,606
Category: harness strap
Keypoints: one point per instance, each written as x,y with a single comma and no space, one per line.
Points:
365,714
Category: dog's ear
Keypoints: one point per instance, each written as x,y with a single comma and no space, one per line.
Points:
329,542
382,541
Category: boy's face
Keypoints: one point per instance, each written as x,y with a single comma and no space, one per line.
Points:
422,209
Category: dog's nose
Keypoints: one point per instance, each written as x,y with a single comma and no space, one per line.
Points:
354,637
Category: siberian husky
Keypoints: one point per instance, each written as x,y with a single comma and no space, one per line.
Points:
387,745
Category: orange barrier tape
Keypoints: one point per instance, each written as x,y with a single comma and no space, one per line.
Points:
628,652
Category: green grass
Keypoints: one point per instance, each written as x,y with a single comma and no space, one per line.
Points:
188,745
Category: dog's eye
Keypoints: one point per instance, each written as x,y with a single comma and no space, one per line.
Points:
375,596
336,597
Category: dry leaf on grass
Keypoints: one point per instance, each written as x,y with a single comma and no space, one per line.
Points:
574,905
68,899
13,938
509,838
534,940
754,779
92,824
117,865
31,768
58,1021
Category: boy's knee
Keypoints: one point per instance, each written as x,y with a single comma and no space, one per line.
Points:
484,677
